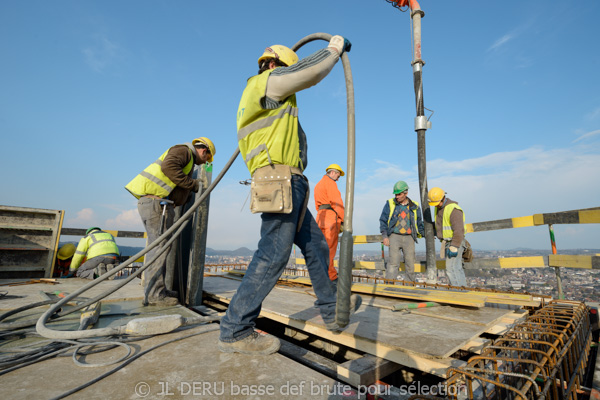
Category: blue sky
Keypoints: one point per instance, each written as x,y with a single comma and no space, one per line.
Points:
91,92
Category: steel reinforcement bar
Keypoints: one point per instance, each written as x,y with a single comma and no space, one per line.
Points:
542,358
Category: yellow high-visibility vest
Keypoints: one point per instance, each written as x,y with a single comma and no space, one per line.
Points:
448,233
153,181
267,136
97,243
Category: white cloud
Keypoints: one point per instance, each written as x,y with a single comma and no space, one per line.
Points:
497,186
501,41
127,220
85,216
587,135
594,114
102,54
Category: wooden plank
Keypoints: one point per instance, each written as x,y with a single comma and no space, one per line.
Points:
499,329
366,370
425,343
582,216
574,261
476,345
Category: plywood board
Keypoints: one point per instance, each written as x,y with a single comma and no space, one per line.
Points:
419,341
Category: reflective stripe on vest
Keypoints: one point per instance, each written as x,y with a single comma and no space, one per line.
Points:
392,204
153,181
267,136
101,243
447,232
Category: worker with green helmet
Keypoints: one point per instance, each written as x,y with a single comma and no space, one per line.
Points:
162,186
100,252
271,138
400,224
450,229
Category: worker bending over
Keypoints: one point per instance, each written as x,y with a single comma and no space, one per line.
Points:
330,211
400,224
163,185
273,145
450,229
63,260
101,251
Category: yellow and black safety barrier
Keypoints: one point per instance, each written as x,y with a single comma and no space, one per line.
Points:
121,234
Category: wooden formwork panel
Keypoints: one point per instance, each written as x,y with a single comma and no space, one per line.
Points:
28,241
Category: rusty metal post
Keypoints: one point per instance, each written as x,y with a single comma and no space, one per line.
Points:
198,246
421,126
556,269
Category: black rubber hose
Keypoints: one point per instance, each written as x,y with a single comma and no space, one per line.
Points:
179,226
344,284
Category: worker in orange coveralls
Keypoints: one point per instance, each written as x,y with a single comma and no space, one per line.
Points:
330,211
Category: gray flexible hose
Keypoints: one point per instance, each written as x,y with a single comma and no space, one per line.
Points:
179,226
344,285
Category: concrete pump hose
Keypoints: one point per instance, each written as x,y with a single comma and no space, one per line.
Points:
344,285
178,226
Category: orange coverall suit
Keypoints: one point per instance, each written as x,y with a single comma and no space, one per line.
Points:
329,219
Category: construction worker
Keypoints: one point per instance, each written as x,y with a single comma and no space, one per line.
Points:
163,185
100,251
63,259
400,224
450,229
270,137
330,211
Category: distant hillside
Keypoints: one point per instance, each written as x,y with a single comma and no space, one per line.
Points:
241,252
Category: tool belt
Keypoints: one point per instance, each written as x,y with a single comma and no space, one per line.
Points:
468,252
271,189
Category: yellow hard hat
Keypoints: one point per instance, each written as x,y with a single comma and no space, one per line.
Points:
335,166
66,251
208,143
435,196
281,53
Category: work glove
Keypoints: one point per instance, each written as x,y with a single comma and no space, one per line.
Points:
341,44
451,252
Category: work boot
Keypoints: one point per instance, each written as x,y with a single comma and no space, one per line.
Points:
256,343
109,267
163,302
355,302
100,269
172,293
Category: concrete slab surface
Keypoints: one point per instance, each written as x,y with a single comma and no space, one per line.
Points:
189,367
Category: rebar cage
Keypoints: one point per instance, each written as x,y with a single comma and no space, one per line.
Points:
542,358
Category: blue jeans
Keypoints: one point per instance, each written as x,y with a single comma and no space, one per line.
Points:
278,233
454,267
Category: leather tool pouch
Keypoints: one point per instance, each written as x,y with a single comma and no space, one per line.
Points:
467,252
271,190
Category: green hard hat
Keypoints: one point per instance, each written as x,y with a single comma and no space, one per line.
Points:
400,187
93,228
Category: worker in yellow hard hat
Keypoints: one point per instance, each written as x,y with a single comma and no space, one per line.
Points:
270,139
162,186
450,229
330,211
63,259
